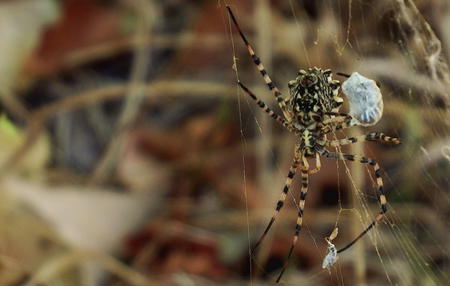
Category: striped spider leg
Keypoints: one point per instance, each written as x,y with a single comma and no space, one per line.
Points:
301,207
284,193
380,186
265,108
256,60
374,136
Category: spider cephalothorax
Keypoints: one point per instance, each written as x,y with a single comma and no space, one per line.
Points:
311,112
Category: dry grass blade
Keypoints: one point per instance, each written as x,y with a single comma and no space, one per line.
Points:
60,264
424,47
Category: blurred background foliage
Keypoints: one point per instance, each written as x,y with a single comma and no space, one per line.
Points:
129,156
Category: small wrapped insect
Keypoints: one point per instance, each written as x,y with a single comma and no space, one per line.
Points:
366,102
331,256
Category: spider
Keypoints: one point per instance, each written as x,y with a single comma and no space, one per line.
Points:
311,112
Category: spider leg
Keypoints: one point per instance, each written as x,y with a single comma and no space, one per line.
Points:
318,165
374,136
341,114
280,203
339,118
380,188
264,107
259,65
299,224
336,125
343,74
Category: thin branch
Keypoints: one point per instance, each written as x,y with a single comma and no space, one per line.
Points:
135,94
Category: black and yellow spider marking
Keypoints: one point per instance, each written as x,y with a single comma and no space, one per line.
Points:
311,112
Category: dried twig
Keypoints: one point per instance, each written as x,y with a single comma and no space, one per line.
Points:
135,94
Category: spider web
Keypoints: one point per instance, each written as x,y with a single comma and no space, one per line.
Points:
392,43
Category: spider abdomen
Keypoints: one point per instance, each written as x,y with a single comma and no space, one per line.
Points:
312,95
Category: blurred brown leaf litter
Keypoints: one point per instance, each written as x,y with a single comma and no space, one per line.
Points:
130,157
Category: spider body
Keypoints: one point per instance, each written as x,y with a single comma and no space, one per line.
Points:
311,112
314,96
